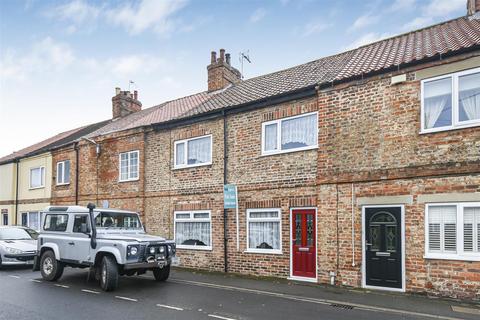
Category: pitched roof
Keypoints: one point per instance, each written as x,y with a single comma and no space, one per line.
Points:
161,113
56,141
447,37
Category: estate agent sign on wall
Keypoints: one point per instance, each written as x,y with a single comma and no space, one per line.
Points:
230,201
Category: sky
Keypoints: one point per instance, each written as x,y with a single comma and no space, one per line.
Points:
61,60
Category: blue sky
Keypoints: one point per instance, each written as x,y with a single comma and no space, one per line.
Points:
61,60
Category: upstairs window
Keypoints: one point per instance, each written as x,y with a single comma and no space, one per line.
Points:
290,134
452,231
451,101
129,166
193,152
37,177
63,172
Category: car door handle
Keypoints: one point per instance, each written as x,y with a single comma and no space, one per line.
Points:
71,243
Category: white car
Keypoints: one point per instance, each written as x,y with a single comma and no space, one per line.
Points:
18,245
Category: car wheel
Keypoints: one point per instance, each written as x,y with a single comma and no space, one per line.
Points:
161,274
50,267
108,274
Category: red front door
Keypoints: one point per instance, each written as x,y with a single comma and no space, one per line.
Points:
304,243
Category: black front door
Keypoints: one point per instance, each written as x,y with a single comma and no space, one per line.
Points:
383,247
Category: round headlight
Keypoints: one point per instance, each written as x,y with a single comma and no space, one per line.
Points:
133,251
162,249
152,250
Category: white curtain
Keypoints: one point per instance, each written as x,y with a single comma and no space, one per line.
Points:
180,154
199,150
190,233
470,101
271,137
264,235
299,132
433,109
33,221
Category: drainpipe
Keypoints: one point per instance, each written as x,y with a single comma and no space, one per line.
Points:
225,162
75,147
353,225
17,163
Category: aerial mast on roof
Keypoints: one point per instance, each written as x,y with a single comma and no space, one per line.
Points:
245,55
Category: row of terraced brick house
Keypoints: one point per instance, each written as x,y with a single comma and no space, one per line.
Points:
359,169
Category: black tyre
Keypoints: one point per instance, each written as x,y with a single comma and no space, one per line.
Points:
108,274
50,267
161,274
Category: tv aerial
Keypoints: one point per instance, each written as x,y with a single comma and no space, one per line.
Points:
244,56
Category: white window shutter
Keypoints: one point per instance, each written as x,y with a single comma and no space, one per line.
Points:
434,223
468,226
449,214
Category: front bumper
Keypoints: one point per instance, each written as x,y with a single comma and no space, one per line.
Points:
152,264
22,258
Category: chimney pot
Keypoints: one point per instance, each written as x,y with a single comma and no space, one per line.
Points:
473,6
135,95
221,74
222,55
117,91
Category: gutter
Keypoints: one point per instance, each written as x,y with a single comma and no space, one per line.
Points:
75,147
217,113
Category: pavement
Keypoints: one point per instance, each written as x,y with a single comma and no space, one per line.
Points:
196,295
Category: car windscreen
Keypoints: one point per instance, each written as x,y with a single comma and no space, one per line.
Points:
16,234
123,220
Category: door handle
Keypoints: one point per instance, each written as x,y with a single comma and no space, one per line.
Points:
71,243
383,254
303,249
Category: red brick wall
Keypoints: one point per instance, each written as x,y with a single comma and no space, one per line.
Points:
457,279
63,194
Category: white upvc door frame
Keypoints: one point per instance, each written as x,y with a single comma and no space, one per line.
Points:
296,278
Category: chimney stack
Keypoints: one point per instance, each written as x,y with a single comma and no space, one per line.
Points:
125,103
473,6
221,74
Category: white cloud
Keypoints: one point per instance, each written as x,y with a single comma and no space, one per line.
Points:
314,27
131,65
77,11
402,5
442,8
434,9
364,21
45,55
417,23
258,15
366,39
148,14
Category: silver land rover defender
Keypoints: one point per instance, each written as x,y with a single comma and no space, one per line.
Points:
109,242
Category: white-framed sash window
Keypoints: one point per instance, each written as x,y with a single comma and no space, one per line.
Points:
452,231
264,231
37,177
193,152
290,134
128,168
193,229
63,172
31,220
451,101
